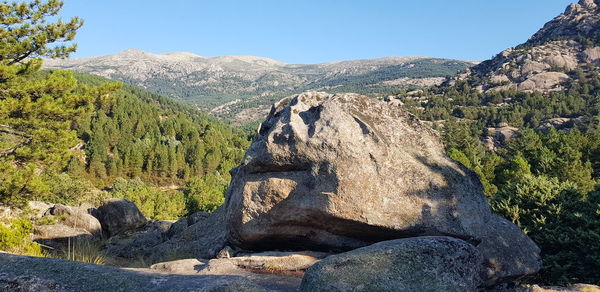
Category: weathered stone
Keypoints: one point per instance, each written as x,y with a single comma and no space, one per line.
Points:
77,218
572,288
177,227
60,236
517,256
38,208
546,80
201,240
119,215
138,243
225,253
412,264
24,283
318,176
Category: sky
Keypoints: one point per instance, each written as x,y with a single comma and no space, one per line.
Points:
310,31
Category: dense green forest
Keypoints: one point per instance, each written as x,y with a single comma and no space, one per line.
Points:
544,179
130,134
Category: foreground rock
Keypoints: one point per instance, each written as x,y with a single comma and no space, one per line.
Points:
339,172
413,264
20,273
119,215
537,288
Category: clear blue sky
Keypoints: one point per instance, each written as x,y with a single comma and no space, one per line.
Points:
310,31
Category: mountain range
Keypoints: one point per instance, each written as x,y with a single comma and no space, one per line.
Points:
242,88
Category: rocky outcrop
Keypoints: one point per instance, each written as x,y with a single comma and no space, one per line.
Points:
119,215
570,41
413,264
496,137
203,239
579,19
339,172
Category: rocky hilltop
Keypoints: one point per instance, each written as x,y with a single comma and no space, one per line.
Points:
242,88
546,62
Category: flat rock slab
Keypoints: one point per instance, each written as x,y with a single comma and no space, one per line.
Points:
21,273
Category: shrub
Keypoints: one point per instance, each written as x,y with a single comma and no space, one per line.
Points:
152,202
15,238
205,194
563,222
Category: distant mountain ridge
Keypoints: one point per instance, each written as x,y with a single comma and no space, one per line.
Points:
241,88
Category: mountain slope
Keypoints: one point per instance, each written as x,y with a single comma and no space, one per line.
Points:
241,88
545,62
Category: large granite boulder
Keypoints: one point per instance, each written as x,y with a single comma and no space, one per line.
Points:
338,172
119,215
412,264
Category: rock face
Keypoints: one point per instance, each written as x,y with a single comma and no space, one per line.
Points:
413,264
570,41
119,215
338,172
132,245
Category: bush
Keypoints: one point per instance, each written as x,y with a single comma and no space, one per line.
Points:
563,222
205,194
15,238
152,202
65,189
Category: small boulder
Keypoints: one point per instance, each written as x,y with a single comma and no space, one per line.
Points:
506,263
59,236
412,264
119,215
77,218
